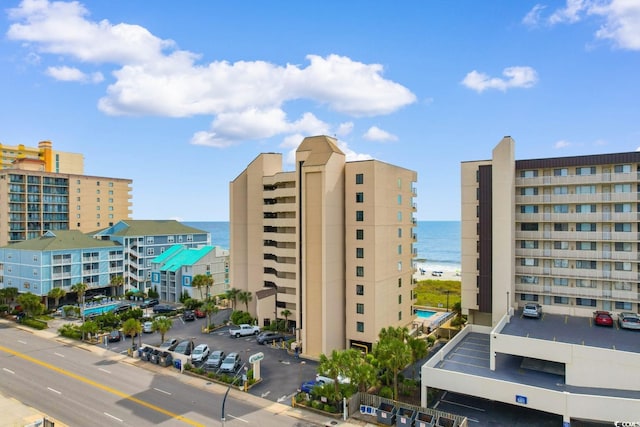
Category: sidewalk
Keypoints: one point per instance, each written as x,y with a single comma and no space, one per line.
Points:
23,415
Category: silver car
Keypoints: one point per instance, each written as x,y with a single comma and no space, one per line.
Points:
628,320
532,310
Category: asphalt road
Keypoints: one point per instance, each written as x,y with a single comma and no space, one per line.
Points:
82,388
281,373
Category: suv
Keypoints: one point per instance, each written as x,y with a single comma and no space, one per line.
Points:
231,363
162,308
214,360
269,336
169,344
628,320
185,347
188,315
532,310
200,353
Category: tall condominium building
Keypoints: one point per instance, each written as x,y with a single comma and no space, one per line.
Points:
330,242
562,232
52,160
35,201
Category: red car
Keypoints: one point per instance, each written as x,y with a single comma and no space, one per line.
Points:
199,313
602,318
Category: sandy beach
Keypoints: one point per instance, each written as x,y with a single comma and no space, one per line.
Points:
425,274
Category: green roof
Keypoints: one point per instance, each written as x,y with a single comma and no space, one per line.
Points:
144,227
62,240
181,256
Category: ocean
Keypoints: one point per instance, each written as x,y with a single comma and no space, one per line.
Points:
438,242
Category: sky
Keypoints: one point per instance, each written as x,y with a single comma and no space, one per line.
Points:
181,96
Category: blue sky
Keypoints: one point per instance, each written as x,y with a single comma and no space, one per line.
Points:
181,96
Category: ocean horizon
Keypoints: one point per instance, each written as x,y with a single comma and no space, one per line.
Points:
438,244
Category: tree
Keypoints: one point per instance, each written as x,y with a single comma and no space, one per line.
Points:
392,353
419,349
202,281
30,304
162,325
286,313
89,327
116,282
333,367
209,309
359,369
232,295
132,327
9,294
80,289
245,297
56,294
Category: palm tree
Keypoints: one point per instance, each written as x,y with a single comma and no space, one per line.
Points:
332,367
202,281
392,353
57,294
419,349
162,325
132,327
31,304
80,288
232,295
286,313
245,297
9,294
209,309
116,282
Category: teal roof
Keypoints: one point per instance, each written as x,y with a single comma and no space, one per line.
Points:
179,256
62,240
143,227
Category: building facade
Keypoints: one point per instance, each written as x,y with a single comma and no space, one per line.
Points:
34,201
330,242
144,240
173,271
60,259
52,160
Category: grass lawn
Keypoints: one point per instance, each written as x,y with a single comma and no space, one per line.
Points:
434,292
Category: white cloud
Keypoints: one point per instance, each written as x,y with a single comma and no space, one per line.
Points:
569,14
350,155
516,77
344,129
532,18
561,144
246,99
374,133
71,74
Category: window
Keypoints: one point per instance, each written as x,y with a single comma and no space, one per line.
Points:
560,208
561,245
587,302
359,178
399,299
35,258
623,247
97,216
622,207
399,282
560,172
149,240
560,281
585,226
35,272
584,283
399,182
531,280
360,308
399,232
585,208
622,188
359,234
622,286
359,289
399,315
585,189
110,184
622,168
528,174
97,191
624,227
170,239
528,297
359,252
529,244
529,191
97,199
189,237
562,189
561,300
620,305
360,326
399,265
586,264
150,251
399,249
590,170
530,262
360,271
399,216
586,246
529,226
528,209
400,199
561,263
622,266
560,226
359,197
359,215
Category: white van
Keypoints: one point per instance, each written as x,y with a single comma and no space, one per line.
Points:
147,327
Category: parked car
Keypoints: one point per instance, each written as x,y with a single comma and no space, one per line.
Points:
307,386
184,347
199,313
149,303
269,336
231,363
188,316
628,320
243,330
147,327
532,310
163,308
214,360
114,336
169,344
122,308
200,353
602,318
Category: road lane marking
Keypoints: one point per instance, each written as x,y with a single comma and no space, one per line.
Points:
162,391
238,418
112,417
102,387
463,405
59,355
104,370
22,342
8,370
54,390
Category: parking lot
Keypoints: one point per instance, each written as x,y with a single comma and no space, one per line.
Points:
281,372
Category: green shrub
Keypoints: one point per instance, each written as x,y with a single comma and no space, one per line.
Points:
239,317
188,366
34,323
431,339
386,392
4,308
70,331
316,404
329,408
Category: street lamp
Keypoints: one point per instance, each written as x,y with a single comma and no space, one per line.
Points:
224,399
447,300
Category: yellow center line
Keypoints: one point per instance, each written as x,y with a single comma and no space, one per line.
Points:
102,387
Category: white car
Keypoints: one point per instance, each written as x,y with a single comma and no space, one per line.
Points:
147,327
200,353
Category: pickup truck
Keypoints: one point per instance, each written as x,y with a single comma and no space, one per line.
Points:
244,330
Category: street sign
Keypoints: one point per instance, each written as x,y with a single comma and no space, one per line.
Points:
256,357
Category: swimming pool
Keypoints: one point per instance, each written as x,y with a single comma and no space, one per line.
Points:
424,314
101,309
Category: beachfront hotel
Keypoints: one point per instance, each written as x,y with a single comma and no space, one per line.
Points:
563,233
47,159
331,242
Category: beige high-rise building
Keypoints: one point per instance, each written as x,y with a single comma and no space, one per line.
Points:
330,242
50,160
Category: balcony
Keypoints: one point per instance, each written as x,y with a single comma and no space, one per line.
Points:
571,236
594,198
574,254
578,273
578,292
578,217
